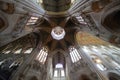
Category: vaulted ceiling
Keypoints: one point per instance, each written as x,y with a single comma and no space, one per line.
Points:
56,5
93,16
53,44
53,13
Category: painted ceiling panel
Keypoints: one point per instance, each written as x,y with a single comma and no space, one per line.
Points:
84,38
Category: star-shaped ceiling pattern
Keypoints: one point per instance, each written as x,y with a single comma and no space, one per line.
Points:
46,28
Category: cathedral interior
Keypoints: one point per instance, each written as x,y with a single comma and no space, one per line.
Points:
59,39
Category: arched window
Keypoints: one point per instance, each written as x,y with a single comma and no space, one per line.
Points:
28,51
18,51
59,71
7,51
32,20
75,56
62,73
59,65
80,18
42,56
55,73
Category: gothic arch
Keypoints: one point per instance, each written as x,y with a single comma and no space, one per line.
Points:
59,57
111,18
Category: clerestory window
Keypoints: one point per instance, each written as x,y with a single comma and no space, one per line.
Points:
18,51
75,56
28,51
42,56
32,20
59,71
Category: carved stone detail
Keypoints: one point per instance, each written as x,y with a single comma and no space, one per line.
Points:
7,7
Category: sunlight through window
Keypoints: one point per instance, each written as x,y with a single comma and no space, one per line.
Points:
7,52
59,65
41,57
55,73
80,18
28,51
32,20
75,56
18,51
62,73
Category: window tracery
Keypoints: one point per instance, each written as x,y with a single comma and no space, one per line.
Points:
42,56
32,20
59,71
75,56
